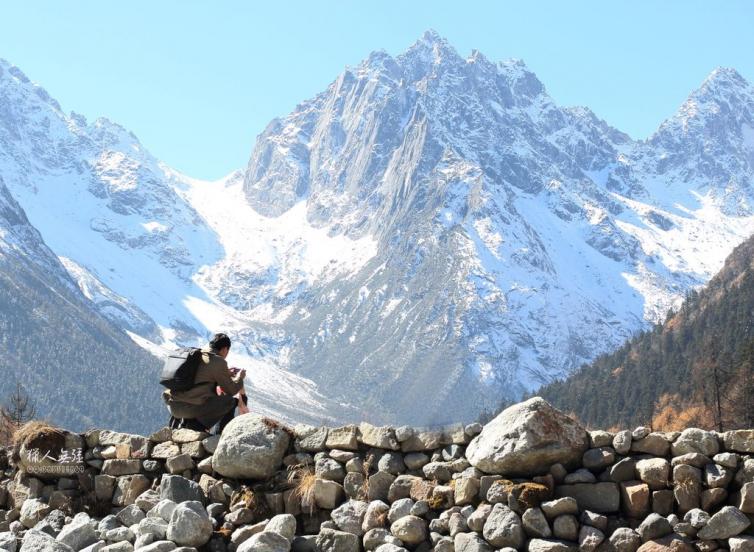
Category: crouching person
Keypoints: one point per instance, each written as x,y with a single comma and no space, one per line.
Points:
201,407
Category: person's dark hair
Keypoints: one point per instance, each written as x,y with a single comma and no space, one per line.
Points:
219,342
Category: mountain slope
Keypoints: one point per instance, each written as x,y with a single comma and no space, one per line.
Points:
432,227
671,375
515,239
68,358
123,226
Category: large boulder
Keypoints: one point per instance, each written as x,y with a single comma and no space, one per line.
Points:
526,439
251,447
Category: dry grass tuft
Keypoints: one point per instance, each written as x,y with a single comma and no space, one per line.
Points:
275,425
40,435
303,479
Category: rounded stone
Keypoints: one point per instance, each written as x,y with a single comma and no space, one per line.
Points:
251,447
526,439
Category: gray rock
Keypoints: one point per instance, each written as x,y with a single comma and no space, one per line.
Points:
653,527
470,542
438,471
473,429
400,508
189,525
746,498
345,437
391,462
535,523
119,534
266,541
242,534
687,487
375,515
410,529
36,541
716,476
594,520
78,534
477,519
655,472
159,546
622,442
416,460
597,459
692,459
466,490
566,527
130,515
625,539
163,509
179,489
349,516
739,440
327,468
590,538
640,432
378,437
559,507
623,470
551,545
147,500
251,447
33,510
726,523
741,544
179,464
390,547
283,524
601,497
697,518
309,438
581,475
404,433
503,527
8,542
656,444
526,439
121,466
379,485
330,540
695,440
375,537
156,527
726,459
122,546
328,494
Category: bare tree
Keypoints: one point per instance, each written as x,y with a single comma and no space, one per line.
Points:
18,409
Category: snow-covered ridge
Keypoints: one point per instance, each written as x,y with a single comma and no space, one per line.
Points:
431,220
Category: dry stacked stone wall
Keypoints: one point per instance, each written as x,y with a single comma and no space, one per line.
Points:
264,487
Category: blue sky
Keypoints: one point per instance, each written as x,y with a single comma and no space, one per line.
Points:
197,81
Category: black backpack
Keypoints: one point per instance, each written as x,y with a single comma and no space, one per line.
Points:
180,368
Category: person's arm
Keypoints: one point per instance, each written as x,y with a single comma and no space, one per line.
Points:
230,385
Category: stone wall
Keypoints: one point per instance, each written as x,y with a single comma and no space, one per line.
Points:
532,479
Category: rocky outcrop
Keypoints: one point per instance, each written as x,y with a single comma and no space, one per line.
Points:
390,489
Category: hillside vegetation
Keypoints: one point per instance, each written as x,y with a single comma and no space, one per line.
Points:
695,369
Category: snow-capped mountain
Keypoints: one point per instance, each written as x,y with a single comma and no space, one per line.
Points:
428,235
56,346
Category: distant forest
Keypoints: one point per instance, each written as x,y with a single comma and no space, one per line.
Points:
695,369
